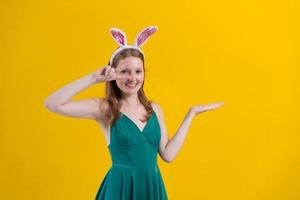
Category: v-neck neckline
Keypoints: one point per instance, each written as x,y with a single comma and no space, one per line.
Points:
133,122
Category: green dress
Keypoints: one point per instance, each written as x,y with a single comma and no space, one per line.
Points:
134,174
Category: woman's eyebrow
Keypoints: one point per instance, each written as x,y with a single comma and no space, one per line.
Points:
126,68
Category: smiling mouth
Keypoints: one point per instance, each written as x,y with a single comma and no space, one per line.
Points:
131,85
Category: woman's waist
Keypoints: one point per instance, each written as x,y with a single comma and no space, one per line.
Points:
135,166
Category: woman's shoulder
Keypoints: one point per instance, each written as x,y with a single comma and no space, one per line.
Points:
156,107
154,104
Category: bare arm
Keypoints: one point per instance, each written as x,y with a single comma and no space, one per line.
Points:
60,101
169,148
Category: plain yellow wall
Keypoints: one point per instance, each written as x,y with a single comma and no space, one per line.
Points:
243,53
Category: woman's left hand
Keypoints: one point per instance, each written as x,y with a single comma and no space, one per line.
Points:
194,110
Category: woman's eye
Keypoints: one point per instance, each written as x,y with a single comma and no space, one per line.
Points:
124,71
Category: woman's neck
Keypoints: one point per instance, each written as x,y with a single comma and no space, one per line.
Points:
130,100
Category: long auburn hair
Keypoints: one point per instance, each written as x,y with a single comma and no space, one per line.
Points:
113,92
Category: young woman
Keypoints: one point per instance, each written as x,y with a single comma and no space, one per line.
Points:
133,126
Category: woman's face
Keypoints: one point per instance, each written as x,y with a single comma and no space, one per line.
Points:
132,70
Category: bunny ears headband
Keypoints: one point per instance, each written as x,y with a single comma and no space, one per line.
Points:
120,38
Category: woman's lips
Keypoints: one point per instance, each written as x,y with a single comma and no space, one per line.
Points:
131,85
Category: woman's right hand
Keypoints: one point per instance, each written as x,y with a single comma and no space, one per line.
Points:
106,73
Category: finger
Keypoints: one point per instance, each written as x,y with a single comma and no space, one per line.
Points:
99,71
120,76
116,73
112,73
107,71
215,105
218,105
209,107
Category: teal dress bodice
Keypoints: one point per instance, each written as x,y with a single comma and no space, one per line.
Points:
134,174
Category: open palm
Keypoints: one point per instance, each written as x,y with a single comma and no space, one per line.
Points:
203,108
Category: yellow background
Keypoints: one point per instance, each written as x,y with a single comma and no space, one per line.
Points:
242,53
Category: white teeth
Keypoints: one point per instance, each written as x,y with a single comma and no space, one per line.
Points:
131,85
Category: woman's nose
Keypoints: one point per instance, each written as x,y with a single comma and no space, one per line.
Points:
132,76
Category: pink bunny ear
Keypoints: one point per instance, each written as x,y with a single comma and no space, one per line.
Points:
119,36
143,35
